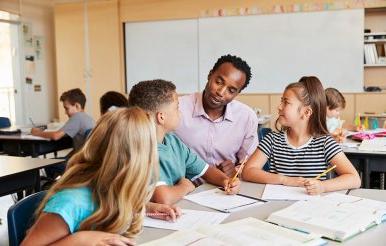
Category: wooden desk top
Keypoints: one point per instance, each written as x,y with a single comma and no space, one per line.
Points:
374,236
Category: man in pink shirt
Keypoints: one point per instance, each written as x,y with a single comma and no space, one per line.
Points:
222,131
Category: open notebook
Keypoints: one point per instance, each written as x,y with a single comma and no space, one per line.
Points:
334,216
249,231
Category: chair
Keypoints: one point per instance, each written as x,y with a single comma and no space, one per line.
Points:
87,133
20,217
4,122
261,133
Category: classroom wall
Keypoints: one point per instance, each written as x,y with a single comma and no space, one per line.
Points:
41,19
104,46
115,13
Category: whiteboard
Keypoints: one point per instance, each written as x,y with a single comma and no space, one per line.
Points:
280,48
162,49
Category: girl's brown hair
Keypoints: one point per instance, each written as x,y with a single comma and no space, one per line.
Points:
310,92
119,164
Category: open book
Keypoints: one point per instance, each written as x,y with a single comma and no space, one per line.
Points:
249,231
334,216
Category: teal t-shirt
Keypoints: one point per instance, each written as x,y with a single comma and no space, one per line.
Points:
178,161
74,205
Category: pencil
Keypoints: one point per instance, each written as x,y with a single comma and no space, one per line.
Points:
325,172
238,172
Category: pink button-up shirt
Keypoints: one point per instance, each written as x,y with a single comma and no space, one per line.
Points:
230,137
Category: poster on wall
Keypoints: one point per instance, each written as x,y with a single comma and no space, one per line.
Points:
27,34
38,42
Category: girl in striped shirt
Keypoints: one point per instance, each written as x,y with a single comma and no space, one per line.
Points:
302,149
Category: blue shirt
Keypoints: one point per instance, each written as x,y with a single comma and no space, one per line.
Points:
74,205
178,161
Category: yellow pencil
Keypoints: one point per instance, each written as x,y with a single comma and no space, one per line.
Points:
325,172
237,173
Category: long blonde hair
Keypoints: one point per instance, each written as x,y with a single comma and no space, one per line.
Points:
119,164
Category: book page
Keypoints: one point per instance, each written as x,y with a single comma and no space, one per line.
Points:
281,192
335,219
190,219
219,200
249,231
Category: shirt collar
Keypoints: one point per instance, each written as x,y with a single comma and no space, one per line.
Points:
199,109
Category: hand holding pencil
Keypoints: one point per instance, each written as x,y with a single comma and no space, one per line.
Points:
231,186
315,186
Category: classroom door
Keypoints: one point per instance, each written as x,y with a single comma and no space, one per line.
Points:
10,72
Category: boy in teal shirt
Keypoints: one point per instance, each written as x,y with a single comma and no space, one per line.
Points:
179,166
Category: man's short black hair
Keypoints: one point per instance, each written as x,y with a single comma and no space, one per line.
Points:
150,95
238,63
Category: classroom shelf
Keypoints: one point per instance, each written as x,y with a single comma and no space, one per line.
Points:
375,41
374,65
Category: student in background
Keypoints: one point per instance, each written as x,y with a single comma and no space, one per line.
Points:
302,149
79,122
77,126
179,165
101,197
112,100
335,105
209,117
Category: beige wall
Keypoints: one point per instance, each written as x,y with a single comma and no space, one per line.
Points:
104,43
106,19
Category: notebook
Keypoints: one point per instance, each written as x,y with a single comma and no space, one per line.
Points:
248,231
375,144
281,192
190,219
219,200
335,216
10,131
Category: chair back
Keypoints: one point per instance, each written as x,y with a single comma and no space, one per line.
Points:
21,216
262,132
4,122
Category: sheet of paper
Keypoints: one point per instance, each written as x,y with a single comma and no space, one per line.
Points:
281,192
190,238
190,219
219,200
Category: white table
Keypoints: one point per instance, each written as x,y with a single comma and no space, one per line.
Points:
374,236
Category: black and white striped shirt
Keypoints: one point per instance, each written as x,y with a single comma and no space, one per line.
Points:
306,161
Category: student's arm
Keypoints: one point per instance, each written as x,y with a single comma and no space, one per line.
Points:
51,229
56,135
216,177
253,172
348,177
170,194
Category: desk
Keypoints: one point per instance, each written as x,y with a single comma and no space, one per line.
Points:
367,162
28,145
374,236
19,173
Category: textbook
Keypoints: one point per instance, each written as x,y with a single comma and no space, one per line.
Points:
248,231
335,216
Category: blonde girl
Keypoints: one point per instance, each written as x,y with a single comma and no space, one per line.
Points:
302,149
101,198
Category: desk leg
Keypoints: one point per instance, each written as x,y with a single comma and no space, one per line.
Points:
366,173
382,181
37,180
